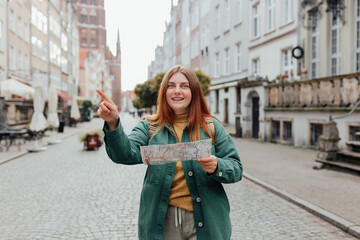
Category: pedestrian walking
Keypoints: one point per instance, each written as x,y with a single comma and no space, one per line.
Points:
186,199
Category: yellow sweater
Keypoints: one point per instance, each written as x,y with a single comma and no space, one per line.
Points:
179,193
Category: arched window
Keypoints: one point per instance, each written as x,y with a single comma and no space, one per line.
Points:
83,42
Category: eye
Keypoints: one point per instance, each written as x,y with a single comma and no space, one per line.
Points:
171,85
185,86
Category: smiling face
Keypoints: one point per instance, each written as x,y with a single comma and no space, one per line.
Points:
178,93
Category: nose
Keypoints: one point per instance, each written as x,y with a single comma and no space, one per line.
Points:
177,88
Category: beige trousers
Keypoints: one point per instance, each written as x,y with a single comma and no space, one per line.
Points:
179,224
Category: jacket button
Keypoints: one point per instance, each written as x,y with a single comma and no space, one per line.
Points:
198,199
220,174
200,224
190,173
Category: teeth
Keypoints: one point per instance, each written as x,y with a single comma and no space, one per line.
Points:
178,98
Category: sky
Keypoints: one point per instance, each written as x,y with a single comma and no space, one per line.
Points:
141,24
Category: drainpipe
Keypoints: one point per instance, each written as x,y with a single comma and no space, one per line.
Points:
7,40
298,32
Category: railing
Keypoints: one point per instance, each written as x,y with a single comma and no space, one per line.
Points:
346,115
336,92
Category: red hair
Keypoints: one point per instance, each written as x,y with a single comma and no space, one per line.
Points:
197,109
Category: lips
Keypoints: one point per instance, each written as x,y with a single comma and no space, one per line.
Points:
177,99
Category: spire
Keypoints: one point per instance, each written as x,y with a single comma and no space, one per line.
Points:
118,51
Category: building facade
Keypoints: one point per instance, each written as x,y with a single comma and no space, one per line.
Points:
19,50
3,39
92,37
279,68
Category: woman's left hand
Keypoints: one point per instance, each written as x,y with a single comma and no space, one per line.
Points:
209,164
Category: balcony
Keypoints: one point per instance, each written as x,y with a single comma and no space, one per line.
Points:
335,93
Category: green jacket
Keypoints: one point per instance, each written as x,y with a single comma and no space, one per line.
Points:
210,203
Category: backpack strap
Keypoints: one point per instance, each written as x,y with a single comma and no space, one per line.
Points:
152,129
210,123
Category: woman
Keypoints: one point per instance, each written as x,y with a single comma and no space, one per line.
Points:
183,200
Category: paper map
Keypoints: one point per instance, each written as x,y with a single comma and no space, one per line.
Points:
161,154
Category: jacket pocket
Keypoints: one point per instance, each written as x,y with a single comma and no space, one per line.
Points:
153,173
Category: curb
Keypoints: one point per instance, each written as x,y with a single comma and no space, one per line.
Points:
331,218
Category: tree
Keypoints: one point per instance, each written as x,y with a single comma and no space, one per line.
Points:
204,81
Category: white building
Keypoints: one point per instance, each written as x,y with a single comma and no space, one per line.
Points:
229,54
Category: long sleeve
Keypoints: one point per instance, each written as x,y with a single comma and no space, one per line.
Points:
125,149
229,168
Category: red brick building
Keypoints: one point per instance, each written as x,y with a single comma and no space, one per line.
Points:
92,36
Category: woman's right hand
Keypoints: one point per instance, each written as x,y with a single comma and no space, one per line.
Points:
108,111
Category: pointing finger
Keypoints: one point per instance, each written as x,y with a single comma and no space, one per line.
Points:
102,94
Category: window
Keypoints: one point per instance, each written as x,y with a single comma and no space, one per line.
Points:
287,63
287,131
55,54
83,18
335,46
19,27
314,16
217,13
26,32
270,12
238,11
93,20
54,25
12,58
83,42
84,1
354,132
64,42
287,11
275,130
38,19
19,61
93,2
194,16
256,67
12,20
227,61
26,63
202,41
217,65
227,14
357,36
316,130
238,58
93,43
195,45
255,21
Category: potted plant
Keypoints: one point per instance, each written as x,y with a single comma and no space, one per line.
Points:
92,139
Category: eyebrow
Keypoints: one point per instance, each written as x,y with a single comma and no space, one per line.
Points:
180,83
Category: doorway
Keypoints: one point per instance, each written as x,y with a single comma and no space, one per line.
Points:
255,117
226,110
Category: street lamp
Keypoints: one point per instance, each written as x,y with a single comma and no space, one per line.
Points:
337,8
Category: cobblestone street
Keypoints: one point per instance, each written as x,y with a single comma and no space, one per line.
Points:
68,193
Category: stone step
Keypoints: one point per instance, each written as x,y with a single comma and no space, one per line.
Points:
349,156
350,167
353,146
353,143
